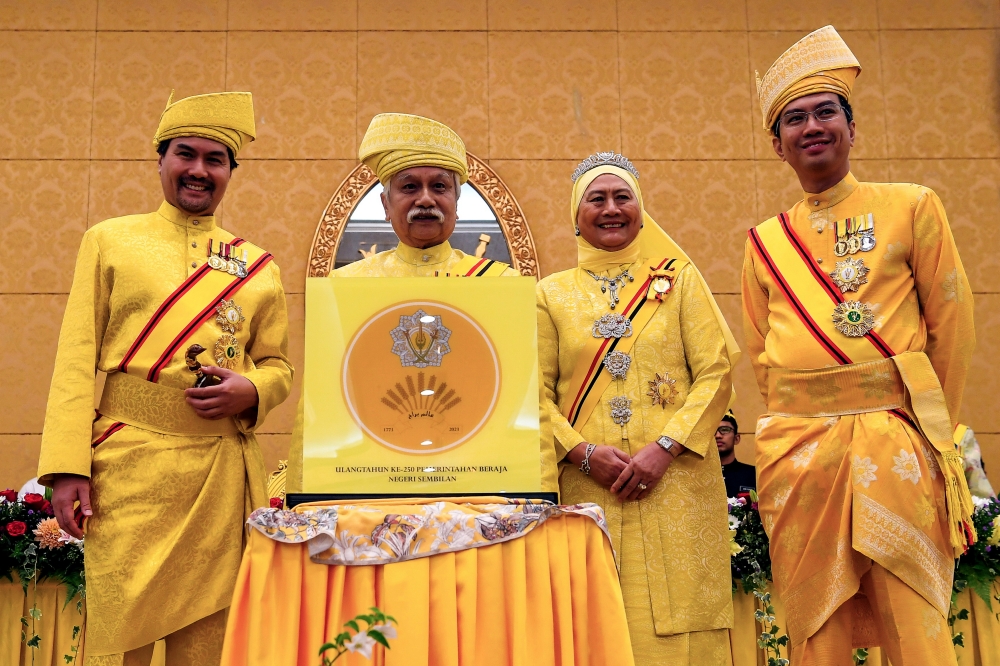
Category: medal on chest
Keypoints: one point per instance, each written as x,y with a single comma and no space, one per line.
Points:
855,234
850,274
229,317
853,318
225,259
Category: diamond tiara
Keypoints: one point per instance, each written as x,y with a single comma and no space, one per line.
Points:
600,159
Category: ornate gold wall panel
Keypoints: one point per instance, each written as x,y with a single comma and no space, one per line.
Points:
496,193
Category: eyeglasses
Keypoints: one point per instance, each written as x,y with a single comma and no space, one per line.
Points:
725,430
824,114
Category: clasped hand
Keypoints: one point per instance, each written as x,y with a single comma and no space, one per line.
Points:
234,395
615,469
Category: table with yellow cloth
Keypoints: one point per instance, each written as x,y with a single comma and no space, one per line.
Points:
469,580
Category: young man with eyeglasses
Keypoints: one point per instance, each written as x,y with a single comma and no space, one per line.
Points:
739,476
858,319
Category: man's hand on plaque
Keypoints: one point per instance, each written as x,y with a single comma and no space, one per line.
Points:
232,396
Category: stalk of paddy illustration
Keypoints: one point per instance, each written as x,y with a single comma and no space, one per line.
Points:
421,397
402,392
413,391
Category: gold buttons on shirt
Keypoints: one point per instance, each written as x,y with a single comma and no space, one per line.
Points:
426,257
194,244
819,260
194,264
816,202
195,223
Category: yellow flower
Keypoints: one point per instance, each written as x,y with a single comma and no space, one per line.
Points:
994,539
734,548
48,534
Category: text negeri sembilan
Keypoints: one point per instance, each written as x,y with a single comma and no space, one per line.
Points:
437,473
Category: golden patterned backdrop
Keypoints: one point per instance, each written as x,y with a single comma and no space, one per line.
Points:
531,86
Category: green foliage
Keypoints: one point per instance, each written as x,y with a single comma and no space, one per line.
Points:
378,630
770,641
752,565
860,656
979,566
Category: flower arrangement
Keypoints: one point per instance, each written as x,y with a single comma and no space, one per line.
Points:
379,628
28,525
751,565
979,567
33,547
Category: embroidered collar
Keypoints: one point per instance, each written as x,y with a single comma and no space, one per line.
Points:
428,256
182,219
832,196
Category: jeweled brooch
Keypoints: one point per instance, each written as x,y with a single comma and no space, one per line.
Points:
612,325
661,390
853,318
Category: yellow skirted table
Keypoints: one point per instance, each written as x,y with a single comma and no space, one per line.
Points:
54,626
478,581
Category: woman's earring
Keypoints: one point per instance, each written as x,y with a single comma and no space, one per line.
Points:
577,227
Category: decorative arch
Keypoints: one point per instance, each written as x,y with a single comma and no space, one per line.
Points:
481,177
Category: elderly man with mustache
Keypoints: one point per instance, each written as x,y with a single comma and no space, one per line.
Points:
166,472
422,165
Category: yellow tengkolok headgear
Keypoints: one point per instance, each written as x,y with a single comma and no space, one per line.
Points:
819,62
397,141
225,117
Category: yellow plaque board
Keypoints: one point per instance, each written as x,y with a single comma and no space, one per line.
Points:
420,385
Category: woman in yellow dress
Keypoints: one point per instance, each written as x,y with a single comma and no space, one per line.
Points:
636,361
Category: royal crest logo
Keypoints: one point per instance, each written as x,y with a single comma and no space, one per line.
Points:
420,340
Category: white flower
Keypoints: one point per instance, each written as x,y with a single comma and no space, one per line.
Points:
781,497
386,630
362,643
906,466
932,463
804,455
864,471
732,502
762,423
734,522
980,502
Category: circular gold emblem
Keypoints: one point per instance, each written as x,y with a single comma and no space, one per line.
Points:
227,351
217,262
661,390
421,377
853,318
661,285
229,316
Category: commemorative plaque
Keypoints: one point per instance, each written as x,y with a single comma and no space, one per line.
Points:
420,386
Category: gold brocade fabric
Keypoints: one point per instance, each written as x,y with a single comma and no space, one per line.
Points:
406,261
838,487
674,544
167,528
819,62
549,598
226,117
397,141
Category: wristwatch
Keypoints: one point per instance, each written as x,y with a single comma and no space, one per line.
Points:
669,445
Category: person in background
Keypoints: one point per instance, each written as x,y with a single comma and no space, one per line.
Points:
739,477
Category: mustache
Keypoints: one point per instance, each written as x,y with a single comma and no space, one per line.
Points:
434,212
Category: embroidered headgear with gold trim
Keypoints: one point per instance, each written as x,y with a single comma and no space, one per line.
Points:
397,141
819,62
226,117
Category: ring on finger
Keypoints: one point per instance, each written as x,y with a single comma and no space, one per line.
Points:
642,486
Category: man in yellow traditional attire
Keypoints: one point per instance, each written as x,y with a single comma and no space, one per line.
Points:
422,165
168,470
636,360
858,319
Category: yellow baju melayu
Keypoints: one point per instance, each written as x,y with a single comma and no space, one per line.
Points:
393,142
170,491
673,545
855,306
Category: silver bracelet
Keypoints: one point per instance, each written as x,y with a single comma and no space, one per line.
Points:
585,465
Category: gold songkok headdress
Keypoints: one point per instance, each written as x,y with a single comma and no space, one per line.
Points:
397,141
225,117
819,62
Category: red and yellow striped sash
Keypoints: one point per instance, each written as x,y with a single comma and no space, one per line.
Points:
184,311
588,383
471,266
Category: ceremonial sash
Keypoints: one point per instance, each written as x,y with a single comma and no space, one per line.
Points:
588,383
810,291
472,266
184,311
